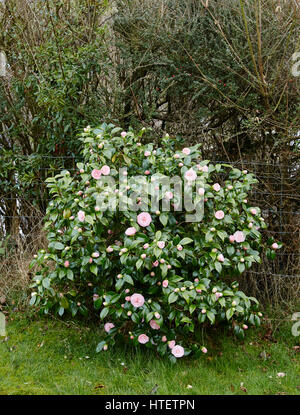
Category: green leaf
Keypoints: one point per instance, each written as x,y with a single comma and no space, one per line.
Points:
89,219
94,269
172,298
163,217
100,346
57,245
119,284
70,275
46,282
186,296
64,302
139,263
229,313
218,266
241,267
211,316
128,279
32,300
185,241
104,313
230,250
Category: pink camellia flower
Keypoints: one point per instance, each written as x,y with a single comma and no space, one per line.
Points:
155,263
95,254
162,261
161,244
109,249
154,325
147,153
180,164
198,290
186,151
95,297
137,300
165,283
205,169
105,170
253,211
90,260
274,245
123,134
143,338
143,256
216,187
171,344
81,216
219,214
179,247
190,175
130,231
127,290
169,266
196,279
169,195
146,246
201,191
203,349
164,339
147,172
231,238
220,258
127,298
108,327
67,264
199,167
96,174
218,295
144,219
176,156
157,315
178,351
239,236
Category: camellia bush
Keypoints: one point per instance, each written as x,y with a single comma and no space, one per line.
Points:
153,275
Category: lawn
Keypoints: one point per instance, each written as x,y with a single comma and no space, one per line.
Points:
49,356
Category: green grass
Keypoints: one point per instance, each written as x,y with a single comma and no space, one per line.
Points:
49,356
